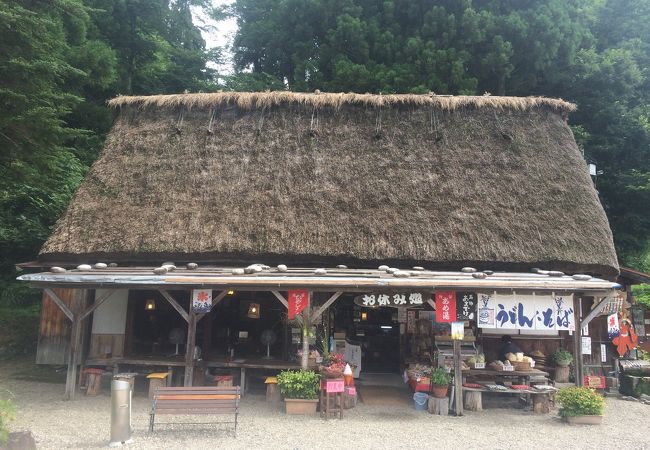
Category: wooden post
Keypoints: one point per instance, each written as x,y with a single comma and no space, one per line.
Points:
71,376
305,333
473,401
458,379
438,406
577,341
189,353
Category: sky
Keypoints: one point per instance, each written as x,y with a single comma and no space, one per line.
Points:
218,34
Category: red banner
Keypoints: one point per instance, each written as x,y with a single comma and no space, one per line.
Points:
446,306
298,300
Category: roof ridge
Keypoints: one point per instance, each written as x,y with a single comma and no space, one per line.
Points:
253,100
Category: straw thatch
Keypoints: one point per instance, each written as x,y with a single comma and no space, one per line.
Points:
320,179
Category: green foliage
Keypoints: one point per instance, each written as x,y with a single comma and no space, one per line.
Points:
7,414
303,384
440,377
20,330
580,401
562,356
641,293
643,387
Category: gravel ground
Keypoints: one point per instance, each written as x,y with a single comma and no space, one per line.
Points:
85,423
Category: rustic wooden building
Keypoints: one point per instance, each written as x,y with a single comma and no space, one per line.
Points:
319,180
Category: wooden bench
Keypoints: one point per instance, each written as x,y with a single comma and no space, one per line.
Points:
195,400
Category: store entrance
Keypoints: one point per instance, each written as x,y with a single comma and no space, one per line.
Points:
375,330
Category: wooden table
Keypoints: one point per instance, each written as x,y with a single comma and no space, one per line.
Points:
523,376
251,363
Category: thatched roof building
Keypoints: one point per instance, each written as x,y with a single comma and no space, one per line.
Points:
322,179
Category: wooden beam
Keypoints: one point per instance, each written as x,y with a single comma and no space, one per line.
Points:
60,303
189,352
306,325
96,304
74,349
458,379
215,302
325,305
175,304
595,311
281,298
577,342
432,304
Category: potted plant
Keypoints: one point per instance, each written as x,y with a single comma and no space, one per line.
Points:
562,358
300,389
581,405
440,382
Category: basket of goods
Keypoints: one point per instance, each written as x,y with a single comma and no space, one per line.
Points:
519,361
472,385
539,357
519,387
497,365
333,366
477,361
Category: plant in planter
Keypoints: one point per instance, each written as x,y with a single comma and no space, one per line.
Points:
300,389
581,405
440,382
562,358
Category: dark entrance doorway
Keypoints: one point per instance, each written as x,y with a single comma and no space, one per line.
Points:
376,330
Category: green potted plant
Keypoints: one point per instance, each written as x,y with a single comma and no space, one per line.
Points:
300,389
440,382
581,405
562,358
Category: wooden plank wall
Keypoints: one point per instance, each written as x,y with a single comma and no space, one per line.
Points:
54,329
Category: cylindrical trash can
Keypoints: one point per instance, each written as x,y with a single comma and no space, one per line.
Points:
420,399
120,413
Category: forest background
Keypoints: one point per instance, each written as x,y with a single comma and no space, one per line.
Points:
60,60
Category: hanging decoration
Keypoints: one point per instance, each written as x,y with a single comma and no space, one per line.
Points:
627,339
297,301
201,301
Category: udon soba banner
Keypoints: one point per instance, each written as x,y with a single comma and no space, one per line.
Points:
525,312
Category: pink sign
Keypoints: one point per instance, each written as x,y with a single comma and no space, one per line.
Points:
332,385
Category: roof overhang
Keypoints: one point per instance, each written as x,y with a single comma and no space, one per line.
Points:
349,280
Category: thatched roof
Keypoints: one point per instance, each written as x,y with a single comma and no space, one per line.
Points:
497,182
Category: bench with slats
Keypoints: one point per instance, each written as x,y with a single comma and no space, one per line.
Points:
196,400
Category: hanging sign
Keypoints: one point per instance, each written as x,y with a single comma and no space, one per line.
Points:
411,299
525,312
613,328
586,345
298,301
465,306
457,331
201,301
445,306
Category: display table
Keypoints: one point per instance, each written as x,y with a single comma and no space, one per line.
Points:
523,376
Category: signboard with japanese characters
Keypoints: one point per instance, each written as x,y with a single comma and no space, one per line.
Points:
525,312
445,306
298,301
411,299
465,306
201,301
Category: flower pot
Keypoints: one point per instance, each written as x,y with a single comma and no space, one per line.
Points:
563,363
300,406
585,420
440,390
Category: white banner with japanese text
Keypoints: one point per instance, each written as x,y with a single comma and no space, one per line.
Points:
525,312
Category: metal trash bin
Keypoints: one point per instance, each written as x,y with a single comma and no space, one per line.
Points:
120,413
